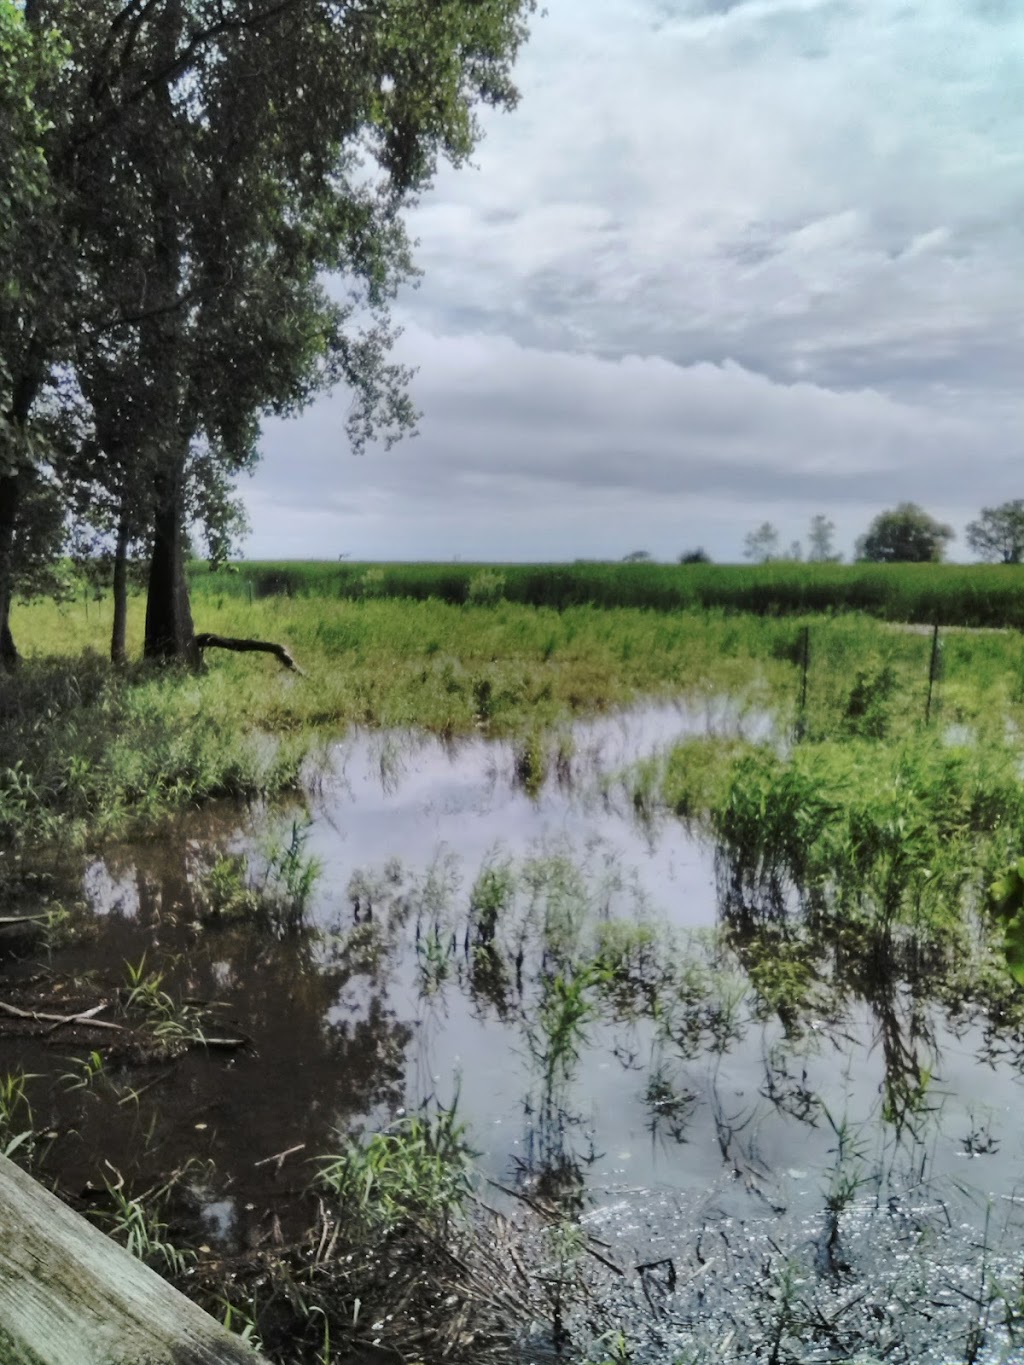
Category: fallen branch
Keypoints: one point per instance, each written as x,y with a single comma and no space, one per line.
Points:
23,919
39,1017
279,1157
207,641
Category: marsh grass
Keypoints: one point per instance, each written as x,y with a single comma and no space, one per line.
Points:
16,1125
138,1223
90,751
952,594
417,1170
172,1025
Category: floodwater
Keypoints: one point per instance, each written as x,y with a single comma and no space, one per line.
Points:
382,1006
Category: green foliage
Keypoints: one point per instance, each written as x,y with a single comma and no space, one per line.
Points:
225,891
904,535
1006,900
559,1030
172,1025
291,876
998,533
485,587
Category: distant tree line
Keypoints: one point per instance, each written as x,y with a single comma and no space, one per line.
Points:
905,534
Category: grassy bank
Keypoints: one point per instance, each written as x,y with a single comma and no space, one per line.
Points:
86,749
950,594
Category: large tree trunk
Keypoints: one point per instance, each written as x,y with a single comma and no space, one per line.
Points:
118,649
169,632
10,494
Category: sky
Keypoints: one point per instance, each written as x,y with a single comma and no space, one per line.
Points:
728,261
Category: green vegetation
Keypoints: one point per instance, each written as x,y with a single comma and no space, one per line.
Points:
90,751
951,594
97,435
861,787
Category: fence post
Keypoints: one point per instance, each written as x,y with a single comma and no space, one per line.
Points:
805,658
934,672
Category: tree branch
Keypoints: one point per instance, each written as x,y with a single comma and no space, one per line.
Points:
207,641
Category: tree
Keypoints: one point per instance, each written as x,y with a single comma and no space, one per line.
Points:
697,556
820,539
904,535
32,278
637,557
998,534
203,265
761,545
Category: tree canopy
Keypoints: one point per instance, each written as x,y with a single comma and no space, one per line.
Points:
998,534
904,534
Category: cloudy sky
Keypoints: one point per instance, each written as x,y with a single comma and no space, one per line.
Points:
728,261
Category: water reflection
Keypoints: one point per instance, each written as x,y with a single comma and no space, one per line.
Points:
618,1004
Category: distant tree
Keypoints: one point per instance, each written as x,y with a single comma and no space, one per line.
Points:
819,541
998,534
761,545
795,552
637,557
697,556
904,535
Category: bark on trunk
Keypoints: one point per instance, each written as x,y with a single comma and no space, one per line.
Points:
118,648
169,632
10,493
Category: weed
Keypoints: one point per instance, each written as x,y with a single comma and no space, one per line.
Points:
419,1168
559,1031
485,588
173,1027
136,1223
85,1072
224,890
16,1131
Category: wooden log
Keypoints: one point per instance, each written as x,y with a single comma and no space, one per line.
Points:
71,1296
208,641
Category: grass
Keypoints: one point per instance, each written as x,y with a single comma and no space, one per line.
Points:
90,752
952,594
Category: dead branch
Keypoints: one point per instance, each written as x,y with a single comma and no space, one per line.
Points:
39,1017
208,641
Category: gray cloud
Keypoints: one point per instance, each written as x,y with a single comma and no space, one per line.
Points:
727,256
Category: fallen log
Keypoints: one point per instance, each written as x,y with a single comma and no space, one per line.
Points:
208,641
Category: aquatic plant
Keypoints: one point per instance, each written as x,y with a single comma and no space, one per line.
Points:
418,1168
16,1131
135,1222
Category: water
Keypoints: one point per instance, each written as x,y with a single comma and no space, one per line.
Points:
386,1007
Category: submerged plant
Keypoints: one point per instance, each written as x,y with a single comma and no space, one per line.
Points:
291,875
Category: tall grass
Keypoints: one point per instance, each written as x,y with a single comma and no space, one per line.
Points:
87,751
951,594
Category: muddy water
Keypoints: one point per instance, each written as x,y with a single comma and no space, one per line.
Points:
379,1008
